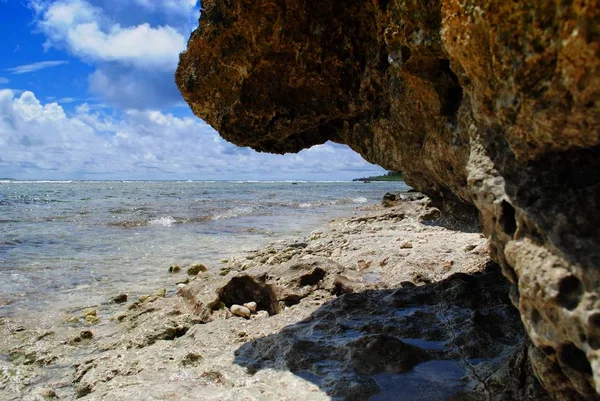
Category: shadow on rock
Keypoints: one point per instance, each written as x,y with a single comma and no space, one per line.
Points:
459,339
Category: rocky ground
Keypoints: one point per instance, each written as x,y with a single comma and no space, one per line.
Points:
385,305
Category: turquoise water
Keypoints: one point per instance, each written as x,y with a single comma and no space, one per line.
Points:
64,244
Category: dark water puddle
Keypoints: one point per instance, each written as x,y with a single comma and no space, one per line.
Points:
372,277
425,344
433,380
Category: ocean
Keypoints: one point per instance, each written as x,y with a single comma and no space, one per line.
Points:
68,244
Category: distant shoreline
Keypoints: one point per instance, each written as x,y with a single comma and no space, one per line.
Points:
390,176
16,181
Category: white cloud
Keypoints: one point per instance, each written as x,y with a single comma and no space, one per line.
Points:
133,45
4,80
89,33
41,65
43,141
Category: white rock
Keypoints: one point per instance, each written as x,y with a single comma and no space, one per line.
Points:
251,306
261,314
406,245
241,311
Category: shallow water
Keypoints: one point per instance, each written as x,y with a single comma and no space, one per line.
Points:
67,244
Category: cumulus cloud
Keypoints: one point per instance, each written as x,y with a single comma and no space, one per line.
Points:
132,43
43,141
89,33
40,65
137,89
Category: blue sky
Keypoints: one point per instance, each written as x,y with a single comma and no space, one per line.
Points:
87,92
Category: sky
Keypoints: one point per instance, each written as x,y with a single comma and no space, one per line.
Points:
87,91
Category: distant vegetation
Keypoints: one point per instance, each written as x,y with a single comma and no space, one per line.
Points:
390,176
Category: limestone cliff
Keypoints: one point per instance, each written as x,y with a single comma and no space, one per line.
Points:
488,103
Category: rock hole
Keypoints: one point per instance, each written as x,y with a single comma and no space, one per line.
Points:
574,358
535,316
171,333
548,350
452,96
570,291
383,4
594,320
594,342
508,218
406,54
313,278
242,289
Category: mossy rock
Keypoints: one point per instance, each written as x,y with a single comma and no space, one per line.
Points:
196,268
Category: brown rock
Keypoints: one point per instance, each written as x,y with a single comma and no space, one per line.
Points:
493,104
240,311
119,299
196,268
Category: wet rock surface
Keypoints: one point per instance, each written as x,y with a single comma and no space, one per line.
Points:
344,313
483,105
353,344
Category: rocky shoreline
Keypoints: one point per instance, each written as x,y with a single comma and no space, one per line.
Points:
389,304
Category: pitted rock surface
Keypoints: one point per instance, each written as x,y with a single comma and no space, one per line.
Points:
482,103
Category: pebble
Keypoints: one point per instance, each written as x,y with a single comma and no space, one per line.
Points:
240,311
92,319
47,393
406,245
161,293
251,306
72,319
89,312
119,299
174,269
261,314
86,334
196,268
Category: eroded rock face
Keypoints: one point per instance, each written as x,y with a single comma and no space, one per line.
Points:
488,103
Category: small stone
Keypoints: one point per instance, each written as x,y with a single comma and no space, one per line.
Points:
362,264
469,248
174,269
143,298
92,319
186,281
431,215
181,285
251,306
191,359
86,334
406,245
89,312
83,390
47,393
240,311
261,314
119,299
196,268
161,293
72,319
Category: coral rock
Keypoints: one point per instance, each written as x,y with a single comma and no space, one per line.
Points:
486,105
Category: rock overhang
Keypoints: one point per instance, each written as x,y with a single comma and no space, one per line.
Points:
483,103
